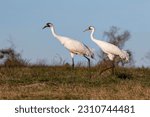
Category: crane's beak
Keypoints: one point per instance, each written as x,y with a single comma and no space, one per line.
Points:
44,27
86,30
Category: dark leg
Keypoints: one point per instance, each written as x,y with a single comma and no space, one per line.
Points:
89,72
88,61
72,62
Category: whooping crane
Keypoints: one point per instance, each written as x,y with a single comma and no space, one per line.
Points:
75,47
108,48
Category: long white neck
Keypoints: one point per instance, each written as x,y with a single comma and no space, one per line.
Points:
93,39
92,35
53,32
56,35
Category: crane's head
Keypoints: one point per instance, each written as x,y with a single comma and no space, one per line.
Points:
48,25
90,28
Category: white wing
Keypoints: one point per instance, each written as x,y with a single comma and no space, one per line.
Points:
108,48
76,47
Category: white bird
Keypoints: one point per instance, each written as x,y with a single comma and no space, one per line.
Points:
75,47
108,48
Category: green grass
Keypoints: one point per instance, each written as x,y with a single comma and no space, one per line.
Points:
62,82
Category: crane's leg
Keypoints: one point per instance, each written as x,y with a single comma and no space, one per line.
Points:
89,72
72,62
88,61
72,57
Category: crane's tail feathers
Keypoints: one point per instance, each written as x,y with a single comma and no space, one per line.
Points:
90,52
126,55
92,55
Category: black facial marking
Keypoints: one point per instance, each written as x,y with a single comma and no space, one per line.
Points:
90,28
49,24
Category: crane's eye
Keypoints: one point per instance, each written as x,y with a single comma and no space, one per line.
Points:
90,28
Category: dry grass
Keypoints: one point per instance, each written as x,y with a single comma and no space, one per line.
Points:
61,82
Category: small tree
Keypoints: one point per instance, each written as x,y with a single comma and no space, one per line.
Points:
118,39
13,58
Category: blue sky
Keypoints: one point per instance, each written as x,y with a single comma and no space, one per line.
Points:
22,22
